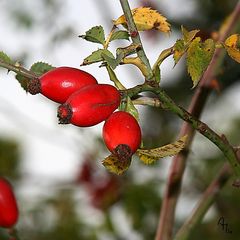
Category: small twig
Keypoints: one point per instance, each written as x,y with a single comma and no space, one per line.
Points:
204,203
153,102
134,34
106,44
18,69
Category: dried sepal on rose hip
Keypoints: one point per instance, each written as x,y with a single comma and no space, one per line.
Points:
59,83
90,105
122,134
8,205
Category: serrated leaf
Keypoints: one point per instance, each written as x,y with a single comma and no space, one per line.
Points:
111,61
114,165
95,34
23,81
40,68
119,35
146,18
179,50
149,156
199,56
5,58
232,45
96,56
181,45
188,36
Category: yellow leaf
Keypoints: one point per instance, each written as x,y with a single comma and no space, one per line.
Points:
114,165
149,156
232,45
146,18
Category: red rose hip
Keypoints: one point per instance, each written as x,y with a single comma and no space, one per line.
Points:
122,134
8,205
59,83
90,105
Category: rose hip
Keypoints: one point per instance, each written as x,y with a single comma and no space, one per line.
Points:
90,105
8,205
122,134
59,83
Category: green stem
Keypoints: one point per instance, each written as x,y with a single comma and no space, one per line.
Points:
136,38
202,128
18,69
114,78
153,102
204,203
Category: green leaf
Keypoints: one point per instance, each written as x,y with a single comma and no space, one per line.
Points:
199,56
114,165
40,68
188,36
121,34
181,45
179,49
95,34
5,58
23,81
96,56
111,61
149,156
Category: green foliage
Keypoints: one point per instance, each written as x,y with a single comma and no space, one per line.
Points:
22,80
111,61
40,68
97,56
95,34
179,50
141,203
199,55
181,45
121,34
9,158
5,58
188,36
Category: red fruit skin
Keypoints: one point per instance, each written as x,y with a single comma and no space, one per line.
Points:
90,105
121,128
8,205
59,83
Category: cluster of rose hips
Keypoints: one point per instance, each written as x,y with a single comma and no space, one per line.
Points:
86,103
